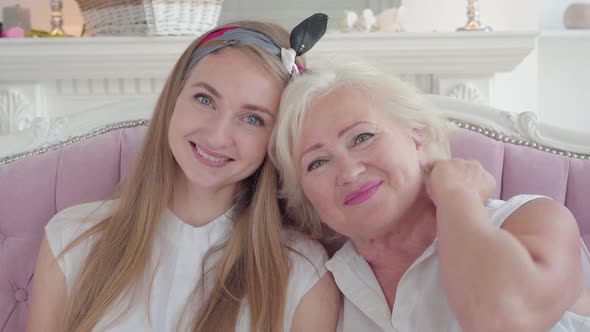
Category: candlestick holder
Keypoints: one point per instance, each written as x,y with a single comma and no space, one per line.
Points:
473,23
56,18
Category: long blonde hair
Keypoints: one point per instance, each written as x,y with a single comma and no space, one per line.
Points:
392,96
254,266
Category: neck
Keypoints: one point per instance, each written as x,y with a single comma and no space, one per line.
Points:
391,254
406,238
198,206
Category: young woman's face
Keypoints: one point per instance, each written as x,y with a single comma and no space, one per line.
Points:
360,169
223,119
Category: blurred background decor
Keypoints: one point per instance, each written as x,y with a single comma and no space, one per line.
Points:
367,21
577,16
56,18
149,17
391,19
473,23
17,22
16,16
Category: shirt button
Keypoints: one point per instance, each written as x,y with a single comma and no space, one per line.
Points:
21,295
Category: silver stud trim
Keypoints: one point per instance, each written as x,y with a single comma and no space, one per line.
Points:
498,136
74,139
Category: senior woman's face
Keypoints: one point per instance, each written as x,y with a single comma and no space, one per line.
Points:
360,169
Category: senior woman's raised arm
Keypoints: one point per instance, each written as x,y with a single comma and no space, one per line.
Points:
521,277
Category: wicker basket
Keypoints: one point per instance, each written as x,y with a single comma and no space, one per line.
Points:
149,17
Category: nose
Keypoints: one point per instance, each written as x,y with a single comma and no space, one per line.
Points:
220,134
349,169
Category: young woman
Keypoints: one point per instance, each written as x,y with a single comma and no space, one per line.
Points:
194,241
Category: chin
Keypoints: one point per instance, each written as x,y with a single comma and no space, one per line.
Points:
202,179
204,183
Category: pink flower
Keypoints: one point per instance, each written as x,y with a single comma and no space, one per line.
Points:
14,32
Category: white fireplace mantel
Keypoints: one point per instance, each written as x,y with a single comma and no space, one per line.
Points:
417,53
51,89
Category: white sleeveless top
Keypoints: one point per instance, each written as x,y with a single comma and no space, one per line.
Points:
179,250
420,302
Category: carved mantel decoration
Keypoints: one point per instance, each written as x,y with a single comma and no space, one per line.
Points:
15,112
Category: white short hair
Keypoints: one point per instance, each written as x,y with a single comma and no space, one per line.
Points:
390,95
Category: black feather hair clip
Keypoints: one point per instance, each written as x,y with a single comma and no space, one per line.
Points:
307,33
303,37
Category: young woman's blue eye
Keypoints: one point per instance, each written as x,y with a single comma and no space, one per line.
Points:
204,99
362,138
315,164
254,120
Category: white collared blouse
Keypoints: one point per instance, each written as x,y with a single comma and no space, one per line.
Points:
176,267
420,303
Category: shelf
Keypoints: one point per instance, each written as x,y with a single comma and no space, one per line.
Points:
465,53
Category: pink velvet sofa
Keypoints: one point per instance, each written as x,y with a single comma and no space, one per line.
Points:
34,188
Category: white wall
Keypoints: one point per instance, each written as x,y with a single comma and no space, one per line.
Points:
517,91
565,81
564,73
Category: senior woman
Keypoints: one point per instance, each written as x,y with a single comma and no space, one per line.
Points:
365,156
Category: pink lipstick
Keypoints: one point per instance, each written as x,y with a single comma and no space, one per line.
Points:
362,194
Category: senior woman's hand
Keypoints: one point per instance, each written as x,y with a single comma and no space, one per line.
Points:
530,266
448,177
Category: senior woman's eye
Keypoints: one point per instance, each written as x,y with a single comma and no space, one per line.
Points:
254,120
362,138
315,164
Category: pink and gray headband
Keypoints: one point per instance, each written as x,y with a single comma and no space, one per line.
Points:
303,37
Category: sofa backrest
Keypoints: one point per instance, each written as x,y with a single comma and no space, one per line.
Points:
521,169
35,188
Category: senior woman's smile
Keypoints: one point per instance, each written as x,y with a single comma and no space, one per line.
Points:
365,192
354,160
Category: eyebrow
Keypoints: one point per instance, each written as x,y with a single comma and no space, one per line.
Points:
249,107
257,108
207,87
340,133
